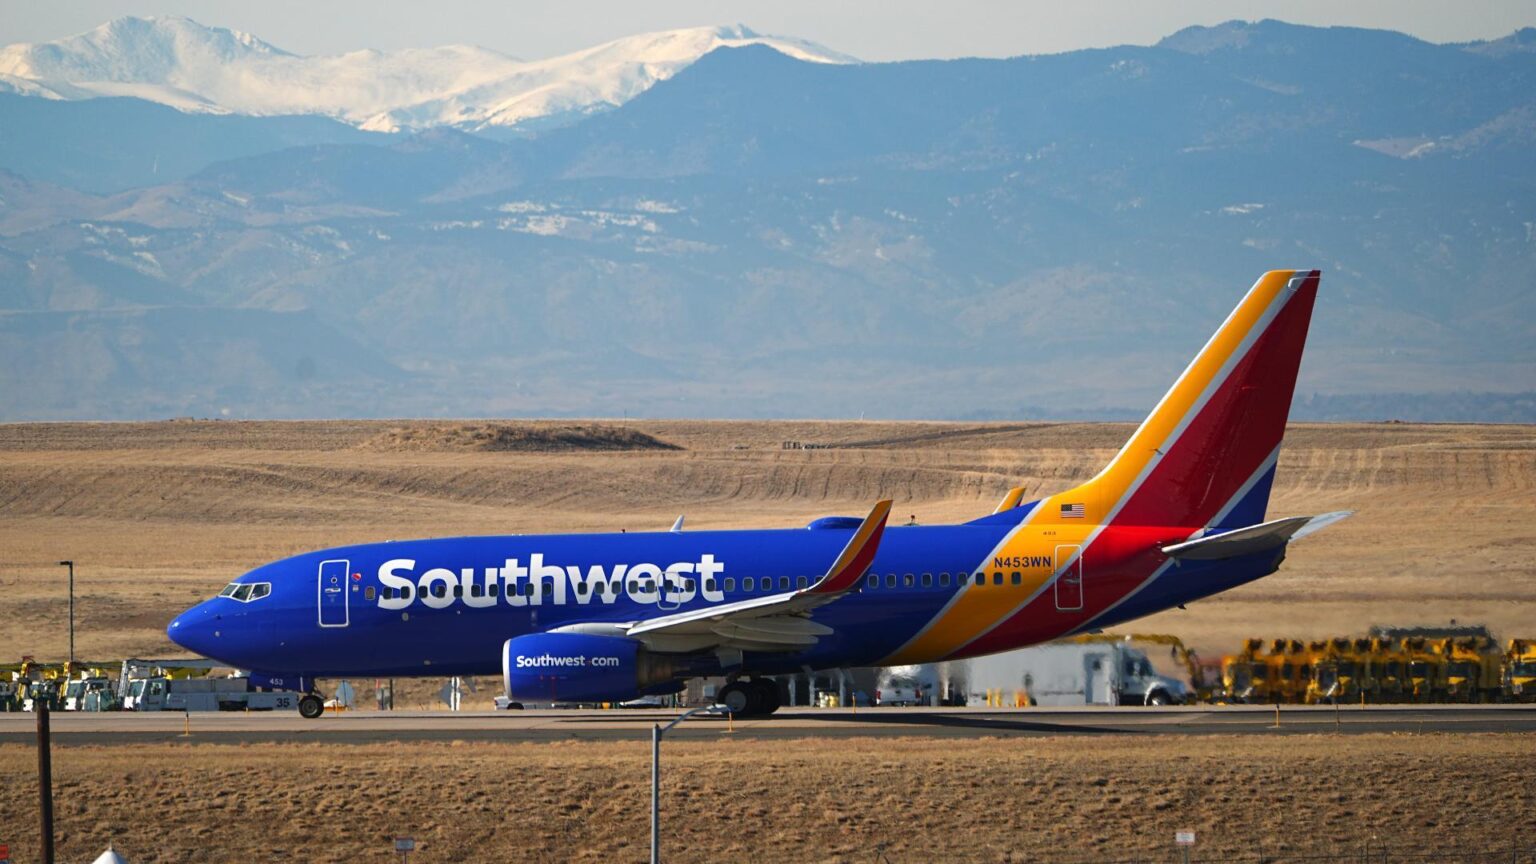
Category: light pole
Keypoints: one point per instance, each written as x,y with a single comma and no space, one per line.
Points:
71,566
657,730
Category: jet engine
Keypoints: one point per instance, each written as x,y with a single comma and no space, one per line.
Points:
580,667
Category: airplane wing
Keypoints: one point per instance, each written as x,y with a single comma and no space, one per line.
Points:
1255,538
776,622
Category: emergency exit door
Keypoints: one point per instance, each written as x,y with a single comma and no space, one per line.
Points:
1069,578
333,593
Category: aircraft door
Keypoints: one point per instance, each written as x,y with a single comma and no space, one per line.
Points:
333,593
1069,579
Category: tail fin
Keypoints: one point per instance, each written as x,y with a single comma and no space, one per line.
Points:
1206,455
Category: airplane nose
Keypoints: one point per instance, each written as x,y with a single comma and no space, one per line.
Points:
197,630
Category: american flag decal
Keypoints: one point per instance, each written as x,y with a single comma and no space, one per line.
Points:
1071,511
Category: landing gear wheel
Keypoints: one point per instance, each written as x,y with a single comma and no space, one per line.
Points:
767,692
738,698
310,706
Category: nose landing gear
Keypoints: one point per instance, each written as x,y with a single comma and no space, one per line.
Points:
311,706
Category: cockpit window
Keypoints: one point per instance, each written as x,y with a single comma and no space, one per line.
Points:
246,592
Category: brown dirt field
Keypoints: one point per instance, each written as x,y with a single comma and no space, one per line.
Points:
1057,799
159,515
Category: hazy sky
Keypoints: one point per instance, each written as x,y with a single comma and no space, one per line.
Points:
887,30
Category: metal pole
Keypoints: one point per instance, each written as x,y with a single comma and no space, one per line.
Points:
44,783
655,793
71,566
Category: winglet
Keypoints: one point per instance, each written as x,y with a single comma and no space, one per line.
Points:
677,527
1010,500
850,566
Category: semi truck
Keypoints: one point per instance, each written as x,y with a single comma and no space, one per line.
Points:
1107,671
1520,670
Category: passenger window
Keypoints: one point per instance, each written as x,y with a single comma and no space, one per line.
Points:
997,578
872,581
243,593
493,589
890,580
907,580
943,580
927,580
981,578
406,592
800,582
474,590
600,588
1018,578
749,583
687,584
458,590
439,590
709,585
581,587
783,583
730,583
368,593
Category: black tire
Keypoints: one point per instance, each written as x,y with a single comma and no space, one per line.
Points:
768,695
1157,699
739,699
310,706
514,706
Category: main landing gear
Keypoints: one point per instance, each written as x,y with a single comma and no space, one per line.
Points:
311,706
756,698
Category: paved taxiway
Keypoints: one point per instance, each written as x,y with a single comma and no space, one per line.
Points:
359,727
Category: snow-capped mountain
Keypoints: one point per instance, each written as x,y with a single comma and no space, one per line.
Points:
181,63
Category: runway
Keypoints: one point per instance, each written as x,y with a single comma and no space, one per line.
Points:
369,727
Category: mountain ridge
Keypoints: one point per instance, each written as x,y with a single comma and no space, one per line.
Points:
178,62
760,236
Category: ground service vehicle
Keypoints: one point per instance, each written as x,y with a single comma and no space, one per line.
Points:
204,694
1520,670
1178,514
1248,677
1292,671
1072,673
1426,670
906,685
1473,670
90,693
1337,673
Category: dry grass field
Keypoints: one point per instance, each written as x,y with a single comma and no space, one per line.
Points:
159,515
998,800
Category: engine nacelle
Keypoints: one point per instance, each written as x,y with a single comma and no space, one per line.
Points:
578,667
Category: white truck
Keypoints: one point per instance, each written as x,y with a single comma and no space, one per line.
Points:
1072,673
90,693
204,694
907,685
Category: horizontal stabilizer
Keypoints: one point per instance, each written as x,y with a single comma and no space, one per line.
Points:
1255,538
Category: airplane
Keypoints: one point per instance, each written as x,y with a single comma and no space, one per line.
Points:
1177,515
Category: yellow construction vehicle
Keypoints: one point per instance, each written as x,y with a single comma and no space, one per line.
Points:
1292,670
1472,670
1426,669
1248,676
1520,670
1338,672
1389,663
